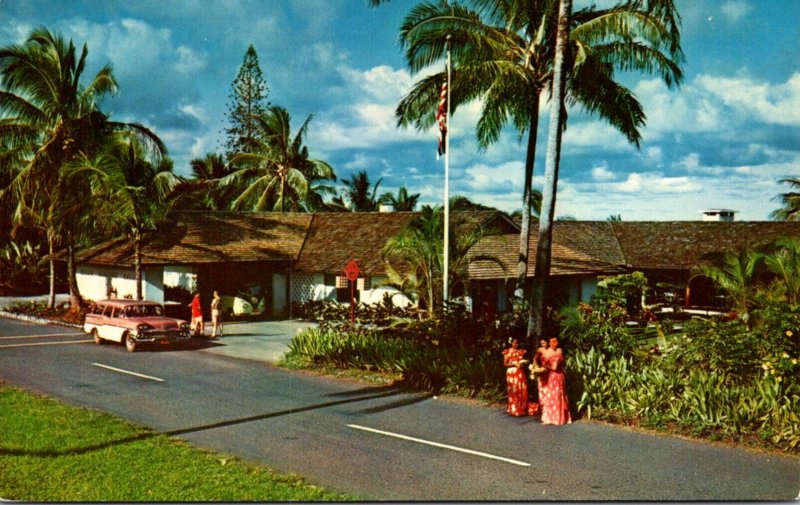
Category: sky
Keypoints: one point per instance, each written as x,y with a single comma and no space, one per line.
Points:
723,139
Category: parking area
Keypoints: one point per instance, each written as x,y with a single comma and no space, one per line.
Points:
264,341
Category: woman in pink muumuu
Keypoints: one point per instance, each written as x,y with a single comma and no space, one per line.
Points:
553,393
516,379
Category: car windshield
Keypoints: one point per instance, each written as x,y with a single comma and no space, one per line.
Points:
143,311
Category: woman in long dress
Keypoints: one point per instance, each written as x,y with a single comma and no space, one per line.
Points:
553,396
540,376
516,379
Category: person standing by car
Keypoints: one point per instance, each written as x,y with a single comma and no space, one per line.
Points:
197,316
216,317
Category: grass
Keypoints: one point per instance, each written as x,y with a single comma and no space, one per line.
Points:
50,451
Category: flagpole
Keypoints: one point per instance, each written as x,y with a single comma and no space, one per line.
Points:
446,286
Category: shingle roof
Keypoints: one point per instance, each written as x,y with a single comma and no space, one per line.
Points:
579,247
336,238
209,237
325,242
685,244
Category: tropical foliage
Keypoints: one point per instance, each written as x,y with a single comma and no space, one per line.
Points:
415,258
403,202
503,53
130,186
277,173
50,117
359,194
790,211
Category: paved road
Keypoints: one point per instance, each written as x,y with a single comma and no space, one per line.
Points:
377,442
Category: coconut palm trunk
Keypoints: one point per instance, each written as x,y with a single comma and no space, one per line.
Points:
51,247
137,251
524,233
75,299
543,247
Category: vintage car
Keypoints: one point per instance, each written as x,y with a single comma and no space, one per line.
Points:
248,300
133,323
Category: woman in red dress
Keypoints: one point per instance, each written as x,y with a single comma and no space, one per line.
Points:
516,379
553,394
540,376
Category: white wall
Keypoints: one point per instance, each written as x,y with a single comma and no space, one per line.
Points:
180,276
94,282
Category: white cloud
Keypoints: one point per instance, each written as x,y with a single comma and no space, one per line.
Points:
482,177
735,10
760,100
718,104
189,61
602,173
651,182
195,111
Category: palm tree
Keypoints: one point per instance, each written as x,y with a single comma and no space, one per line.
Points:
784,262
51,117
202,191
790,201
361,194
415,258
737,277
278,175
552,161
130,186
503,52
402,202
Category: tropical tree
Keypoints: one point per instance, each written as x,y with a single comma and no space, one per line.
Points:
737,277
402,202
415,259
461,202
790,201
784,263
359,194
503,53
50,117
278,175
129,184
201,191
248,96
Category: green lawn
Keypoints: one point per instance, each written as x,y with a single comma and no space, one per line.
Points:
50,451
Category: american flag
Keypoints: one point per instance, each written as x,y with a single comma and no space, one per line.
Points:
441,119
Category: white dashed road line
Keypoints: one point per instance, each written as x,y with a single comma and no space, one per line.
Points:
6,346
16,337
437,444
120,370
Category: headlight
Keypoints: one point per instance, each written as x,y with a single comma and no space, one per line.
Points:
143,327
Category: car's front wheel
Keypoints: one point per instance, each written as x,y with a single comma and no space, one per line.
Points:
96,336
130,344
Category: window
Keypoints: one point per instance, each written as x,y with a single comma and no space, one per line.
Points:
330,280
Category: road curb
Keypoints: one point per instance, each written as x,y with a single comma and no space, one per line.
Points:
36,319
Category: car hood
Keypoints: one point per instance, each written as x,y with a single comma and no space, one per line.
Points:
160,323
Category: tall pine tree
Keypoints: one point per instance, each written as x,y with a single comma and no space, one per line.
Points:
247,99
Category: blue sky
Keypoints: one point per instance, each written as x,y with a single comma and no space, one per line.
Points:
721,140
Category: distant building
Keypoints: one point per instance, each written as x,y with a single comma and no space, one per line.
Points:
724,215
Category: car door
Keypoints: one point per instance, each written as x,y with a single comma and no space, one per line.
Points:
111,329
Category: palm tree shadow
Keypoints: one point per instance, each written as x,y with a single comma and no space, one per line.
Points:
382,392
397,387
